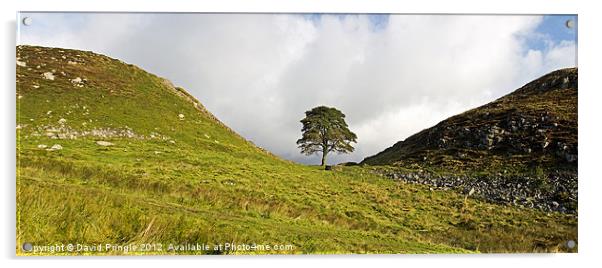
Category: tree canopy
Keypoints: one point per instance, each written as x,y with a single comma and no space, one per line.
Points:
325,130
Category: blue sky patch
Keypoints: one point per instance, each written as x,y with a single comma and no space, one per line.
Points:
553,28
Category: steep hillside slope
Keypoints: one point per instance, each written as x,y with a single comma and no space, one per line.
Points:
108,153
532,127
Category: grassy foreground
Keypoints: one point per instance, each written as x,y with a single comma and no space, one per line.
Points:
174,175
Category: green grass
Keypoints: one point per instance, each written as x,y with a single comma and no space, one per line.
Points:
211,186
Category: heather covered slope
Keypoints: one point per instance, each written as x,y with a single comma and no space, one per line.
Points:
108,153
534,126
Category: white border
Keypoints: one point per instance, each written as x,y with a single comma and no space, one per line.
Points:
589,128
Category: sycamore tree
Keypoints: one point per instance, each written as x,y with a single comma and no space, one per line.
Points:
324,131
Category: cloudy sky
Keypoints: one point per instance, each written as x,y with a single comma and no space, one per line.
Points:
392,75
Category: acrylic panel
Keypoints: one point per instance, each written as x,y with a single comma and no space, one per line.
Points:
275,133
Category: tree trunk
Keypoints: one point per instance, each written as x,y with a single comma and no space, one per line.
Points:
324,153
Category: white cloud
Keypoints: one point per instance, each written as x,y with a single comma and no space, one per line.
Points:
260,73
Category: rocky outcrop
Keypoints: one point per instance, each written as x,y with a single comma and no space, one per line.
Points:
64,132
515,134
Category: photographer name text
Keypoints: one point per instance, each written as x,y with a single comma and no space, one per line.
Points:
156,247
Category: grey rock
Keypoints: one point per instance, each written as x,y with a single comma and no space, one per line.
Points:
104,143
55,147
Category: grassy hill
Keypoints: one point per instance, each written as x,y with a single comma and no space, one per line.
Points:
532,127
108,153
